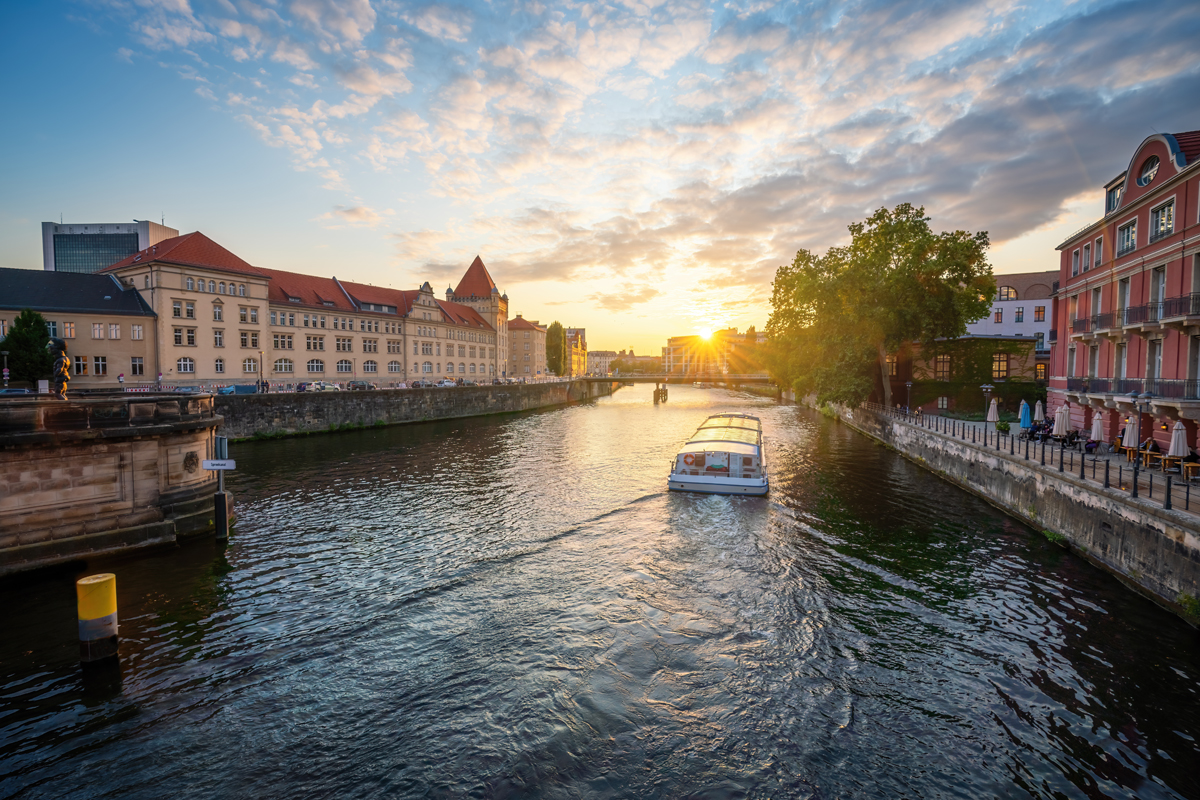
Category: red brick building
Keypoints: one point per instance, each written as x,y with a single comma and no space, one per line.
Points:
1127,302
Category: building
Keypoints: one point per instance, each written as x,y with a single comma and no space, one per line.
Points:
948,373
222,320
599,362
1021,308
579,333
526,348
109,329
92,246
577,357
630,361
725,351
1127,307
477,290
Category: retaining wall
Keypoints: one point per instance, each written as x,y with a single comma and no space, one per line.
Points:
313,412
1153,550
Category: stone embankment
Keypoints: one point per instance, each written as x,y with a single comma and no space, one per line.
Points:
1154,550
248,416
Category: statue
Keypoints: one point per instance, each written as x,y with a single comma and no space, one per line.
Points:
62,367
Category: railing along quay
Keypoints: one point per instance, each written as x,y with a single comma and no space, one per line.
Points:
1167,489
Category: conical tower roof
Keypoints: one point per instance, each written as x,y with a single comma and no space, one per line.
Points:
476,281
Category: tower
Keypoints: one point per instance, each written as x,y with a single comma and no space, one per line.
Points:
477,290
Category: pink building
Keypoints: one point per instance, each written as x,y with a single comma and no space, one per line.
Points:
1126,308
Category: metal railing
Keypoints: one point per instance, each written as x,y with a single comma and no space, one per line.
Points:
1140,315
1103,321
1157,235
1081,325
1126,249
1173,389
1185,305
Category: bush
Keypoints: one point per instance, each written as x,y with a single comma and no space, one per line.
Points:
1002,427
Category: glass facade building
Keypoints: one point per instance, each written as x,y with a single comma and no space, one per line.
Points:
91,252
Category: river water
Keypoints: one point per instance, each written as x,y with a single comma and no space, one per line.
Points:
513,607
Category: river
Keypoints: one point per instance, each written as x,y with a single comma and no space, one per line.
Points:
513,607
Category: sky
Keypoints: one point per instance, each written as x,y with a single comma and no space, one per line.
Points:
637,169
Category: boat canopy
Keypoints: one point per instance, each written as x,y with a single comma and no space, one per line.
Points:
725,447
732,421
725,435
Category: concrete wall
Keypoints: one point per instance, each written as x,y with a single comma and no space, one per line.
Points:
1153,550
305,412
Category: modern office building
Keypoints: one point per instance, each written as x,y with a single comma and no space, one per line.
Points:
92,246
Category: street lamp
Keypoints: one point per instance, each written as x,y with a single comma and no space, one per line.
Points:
260,370
908,403
5,354
1141,402
987,403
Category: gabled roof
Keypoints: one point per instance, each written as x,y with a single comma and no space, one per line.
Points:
1189,143
522,324
190,250
402,299
311,290
476,282
67,292
458,314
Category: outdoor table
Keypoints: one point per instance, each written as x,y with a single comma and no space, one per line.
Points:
1148,459
1130,453
1170,461
1190,470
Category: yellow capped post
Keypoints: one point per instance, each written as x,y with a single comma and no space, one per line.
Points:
97,600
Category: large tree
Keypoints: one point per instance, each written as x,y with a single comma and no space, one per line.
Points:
836,317
28,358
556,348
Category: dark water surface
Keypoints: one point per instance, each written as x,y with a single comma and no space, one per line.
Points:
513,607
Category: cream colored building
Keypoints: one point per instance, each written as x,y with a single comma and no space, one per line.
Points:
526,348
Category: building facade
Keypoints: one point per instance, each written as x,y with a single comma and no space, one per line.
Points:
1127,307
1021,308
526,349
92,246
725,351
599,362
577,354
108,328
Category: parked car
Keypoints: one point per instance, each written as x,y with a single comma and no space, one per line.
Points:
14,390
188,389
353,386
240,388
422,384
446,382
468,383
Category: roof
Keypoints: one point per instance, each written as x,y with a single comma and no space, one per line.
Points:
476,282
69,292
1029,285
402,299
1189,143
522,324
306,290
190,250
458,314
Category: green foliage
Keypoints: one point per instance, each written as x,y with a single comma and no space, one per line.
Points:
630,367
1002,427
556,348
1190,606
835,317
28,359
1054,538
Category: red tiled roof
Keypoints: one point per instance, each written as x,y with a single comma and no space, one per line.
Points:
522,324
190,250
1189,143
458,314
402,299
476,281
311,289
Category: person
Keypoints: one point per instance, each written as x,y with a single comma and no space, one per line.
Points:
1090,446
1191,457
1150,446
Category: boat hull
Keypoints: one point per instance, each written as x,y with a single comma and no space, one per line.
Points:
702,484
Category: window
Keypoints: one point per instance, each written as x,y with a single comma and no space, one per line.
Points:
52,328
370,345
212,287
81,365
998,315
1039,372
314,343
1000,366
291,319
241,290
344,366
1087,257
114,331
393,366
1008,293
462,368
370,366
273,318
1039,313
249,365
136,366
222,287
393,346
1075,263
343,344
941,368
284,365
191,337
527,345
462,351
426,348
100,365
891,364
218,315
249,339
97,330
219,366
1127,238
316,365
254,316
1099,251
1162,221
427,366
283,341
191,284
185,365
243,314
1149,170
176,308
218,338
189,310
135,332
1112,199
179,336
1019,314
472,368
146,281
1039,339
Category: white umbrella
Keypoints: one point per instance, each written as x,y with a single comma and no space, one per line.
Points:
1097,428
1179,445
993,414
1060,422
1038,414
1130,439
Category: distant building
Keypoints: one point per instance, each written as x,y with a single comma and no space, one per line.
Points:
1021,308
579,333
635,363
526,349
947,374
109,329
599,362
577,362
92,246
725,352
477,290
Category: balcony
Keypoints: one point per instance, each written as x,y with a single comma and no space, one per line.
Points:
1081,325
1162,234
1161,390
1146,316
1103,322
1054,334
1126,249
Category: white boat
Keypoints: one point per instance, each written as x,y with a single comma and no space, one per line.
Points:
724,456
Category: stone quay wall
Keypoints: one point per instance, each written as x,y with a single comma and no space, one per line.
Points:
1153,550
283,414
102,475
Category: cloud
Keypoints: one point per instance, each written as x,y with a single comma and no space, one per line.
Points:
335,21
623,301
353,216
441,22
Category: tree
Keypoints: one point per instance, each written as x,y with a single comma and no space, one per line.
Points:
556,348
836,317
28,358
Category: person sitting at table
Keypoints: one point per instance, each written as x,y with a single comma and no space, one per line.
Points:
1191,457
1150,446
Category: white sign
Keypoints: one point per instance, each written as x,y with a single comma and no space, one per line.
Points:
219,463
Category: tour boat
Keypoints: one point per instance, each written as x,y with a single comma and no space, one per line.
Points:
724,456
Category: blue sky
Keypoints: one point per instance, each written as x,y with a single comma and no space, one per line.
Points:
639,169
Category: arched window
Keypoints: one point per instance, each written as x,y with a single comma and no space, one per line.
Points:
222,287
344,366
284,365
394,366
219,366
316,365
191,284
242,290
472,369
370,366
250,365
427,366
1008,293
185,364
1149,170
462,368
212,287
437,367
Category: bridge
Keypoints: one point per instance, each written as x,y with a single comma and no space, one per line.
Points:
719,378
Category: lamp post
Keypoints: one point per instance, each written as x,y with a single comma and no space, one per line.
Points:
1141,402
908,403
5,354
987,404
260,370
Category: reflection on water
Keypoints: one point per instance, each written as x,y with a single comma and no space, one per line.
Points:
513,607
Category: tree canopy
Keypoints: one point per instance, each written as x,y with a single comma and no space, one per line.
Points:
836,317
556,348
28,359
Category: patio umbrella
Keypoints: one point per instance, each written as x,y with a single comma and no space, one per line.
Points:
1130,439
1026,422
1179,445
993,414
1060,422
1097,428
1038,416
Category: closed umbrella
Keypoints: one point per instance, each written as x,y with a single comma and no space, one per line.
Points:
1026,422
1179,445
1060,422
1038,415
993,412
1130,439
1097,429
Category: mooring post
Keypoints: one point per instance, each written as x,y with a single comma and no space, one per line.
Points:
1062,451
1167,496
1043,452
1082,461
221,498
1026,449
1107,464
96,598
1011,444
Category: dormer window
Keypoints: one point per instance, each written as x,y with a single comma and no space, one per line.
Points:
328,303
293,299
1149,170
1112,199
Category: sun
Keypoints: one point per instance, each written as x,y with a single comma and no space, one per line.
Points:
706,334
